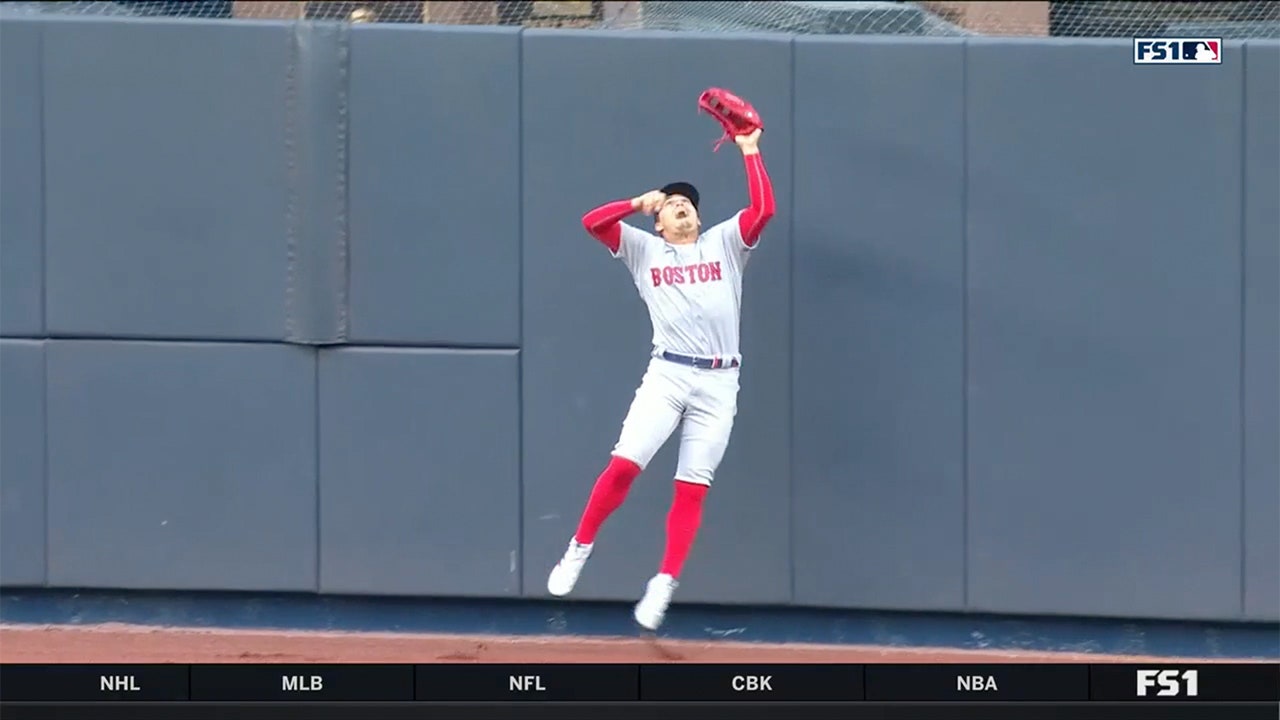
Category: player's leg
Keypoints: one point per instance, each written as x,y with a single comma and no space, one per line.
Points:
707,426
654,413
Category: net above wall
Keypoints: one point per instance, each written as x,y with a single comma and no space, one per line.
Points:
1237,20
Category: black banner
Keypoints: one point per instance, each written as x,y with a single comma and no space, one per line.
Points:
674,682
1183,683
498,683
335,683
751,683
985,683
641,711
94,683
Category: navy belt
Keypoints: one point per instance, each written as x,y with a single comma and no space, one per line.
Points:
703,363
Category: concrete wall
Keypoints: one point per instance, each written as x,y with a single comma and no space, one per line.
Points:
298,309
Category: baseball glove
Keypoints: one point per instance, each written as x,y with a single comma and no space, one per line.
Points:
734,114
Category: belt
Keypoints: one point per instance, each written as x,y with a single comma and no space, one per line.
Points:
703,363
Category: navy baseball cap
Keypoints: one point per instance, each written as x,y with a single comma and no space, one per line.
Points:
682,188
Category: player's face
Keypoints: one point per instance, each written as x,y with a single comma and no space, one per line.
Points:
677,215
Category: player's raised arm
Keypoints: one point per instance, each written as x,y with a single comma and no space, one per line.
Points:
604,223
754,218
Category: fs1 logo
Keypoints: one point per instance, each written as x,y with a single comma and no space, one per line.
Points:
1177,51
1170,682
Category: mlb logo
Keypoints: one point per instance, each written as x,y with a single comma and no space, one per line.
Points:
1177,51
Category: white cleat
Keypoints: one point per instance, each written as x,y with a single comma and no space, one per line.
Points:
565,574
652,608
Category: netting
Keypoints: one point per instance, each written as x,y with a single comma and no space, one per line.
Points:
1235,20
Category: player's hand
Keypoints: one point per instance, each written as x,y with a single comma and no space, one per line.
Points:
749,143
649,202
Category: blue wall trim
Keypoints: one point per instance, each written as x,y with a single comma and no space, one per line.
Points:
693,622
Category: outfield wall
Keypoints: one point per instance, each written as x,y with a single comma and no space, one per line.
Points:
307,307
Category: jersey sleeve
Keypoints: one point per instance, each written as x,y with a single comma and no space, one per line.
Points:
633,247
729,235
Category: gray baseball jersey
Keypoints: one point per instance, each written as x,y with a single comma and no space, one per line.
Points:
694,291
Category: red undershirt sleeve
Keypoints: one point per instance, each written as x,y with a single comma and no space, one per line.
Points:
603,223
753,219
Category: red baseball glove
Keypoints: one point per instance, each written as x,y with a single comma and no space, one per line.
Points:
736,115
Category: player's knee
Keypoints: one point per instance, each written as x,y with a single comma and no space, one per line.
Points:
627,457
701,477
626,461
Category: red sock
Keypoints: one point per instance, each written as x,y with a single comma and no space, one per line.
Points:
607,495
682,525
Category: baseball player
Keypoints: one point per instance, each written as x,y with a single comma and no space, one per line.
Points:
691,281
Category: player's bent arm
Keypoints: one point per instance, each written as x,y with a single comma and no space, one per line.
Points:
605,222
752,220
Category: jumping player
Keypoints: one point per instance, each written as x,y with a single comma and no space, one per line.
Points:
691,282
